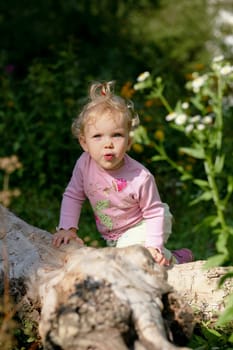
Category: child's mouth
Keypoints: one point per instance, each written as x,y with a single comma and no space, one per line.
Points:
108,157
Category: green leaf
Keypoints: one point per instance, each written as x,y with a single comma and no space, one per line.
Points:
140,135
224,246
147,83
212,336
210,333
206,196
197,342
229,245
231,338
230,184
215,222
208,221
158,158
186,177
201,183
216,260
197,102
193,152
225,277
219,163
31,339
222,243
227,314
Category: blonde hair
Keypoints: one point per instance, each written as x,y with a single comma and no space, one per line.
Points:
102,99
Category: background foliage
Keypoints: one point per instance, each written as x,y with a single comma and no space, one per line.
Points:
50,52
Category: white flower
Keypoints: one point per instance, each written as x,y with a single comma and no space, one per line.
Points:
200,127
137,86
207,119
171,116
195,119
181,119
185,105
198,83
189,128
143,76
218,58
216,66
225,70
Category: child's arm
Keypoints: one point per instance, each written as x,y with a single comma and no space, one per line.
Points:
153,213
73,198
64,236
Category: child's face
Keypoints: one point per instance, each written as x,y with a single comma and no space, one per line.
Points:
106,139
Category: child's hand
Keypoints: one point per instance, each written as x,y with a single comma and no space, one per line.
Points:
158,256
64,236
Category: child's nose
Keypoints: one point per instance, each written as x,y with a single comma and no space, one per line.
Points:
108,143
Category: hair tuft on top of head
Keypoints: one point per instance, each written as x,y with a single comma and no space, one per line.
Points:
105,89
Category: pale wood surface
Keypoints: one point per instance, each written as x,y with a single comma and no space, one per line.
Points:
82,296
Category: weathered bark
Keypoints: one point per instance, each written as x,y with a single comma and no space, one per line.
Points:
87,298
199,286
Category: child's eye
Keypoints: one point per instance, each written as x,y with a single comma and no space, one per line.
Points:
117,134
97,136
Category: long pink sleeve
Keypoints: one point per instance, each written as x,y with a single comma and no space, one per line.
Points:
153,213
73,198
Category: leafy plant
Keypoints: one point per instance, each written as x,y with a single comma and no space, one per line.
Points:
202,118
206,337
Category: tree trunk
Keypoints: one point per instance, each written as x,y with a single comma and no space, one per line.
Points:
106,298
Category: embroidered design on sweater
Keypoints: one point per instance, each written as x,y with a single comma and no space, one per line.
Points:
100,216
119,184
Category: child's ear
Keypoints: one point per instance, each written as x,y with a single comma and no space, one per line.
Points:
83,143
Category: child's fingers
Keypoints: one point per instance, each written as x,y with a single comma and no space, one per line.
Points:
79,240
158,257
65,237
162,261
57,240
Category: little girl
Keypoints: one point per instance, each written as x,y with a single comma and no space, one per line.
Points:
122,192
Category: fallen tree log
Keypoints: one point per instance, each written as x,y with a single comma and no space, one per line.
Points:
199,286
106,298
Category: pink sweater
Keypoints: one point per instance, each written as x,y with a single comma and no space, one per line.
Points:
120,199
